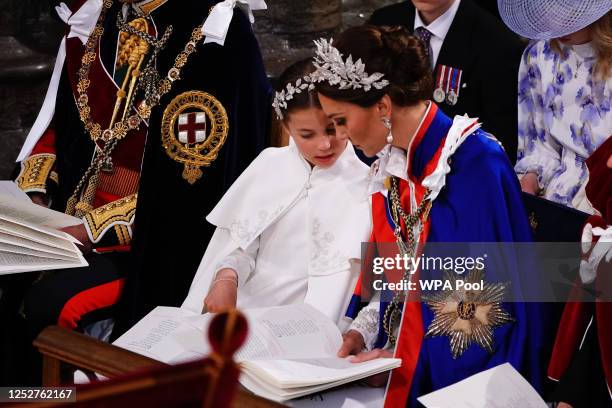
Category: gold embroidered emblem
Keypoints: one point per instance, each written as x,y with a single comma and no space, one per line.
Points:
467,313
193,130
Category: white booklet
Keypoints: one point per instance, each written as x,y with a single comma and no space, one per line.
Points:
290,350
29,235
497,387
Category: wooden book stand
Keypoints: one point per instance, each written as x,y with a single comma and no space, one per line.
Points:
138,381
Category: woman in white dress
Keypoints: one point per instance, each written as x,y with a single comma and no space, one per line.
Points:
290,228
565,94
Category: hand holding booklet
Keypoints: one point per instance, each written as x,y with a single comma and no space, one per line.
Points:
290,350
29,235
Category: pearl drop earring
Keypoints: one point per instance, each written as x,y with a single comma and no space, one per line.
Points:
387,123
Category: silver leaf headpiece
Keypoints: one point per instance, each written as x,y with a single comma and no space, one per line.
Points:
332,68
281,98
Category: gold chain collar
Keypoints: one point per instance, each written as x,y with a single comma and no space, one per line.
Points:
89,181
420,216
119,129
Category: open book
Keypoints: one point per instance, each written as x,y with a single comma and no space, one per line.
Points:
290,350
29,235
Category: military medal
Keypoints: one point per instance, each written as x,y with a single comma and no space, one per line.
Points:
453,93
439,95
447,83
467,315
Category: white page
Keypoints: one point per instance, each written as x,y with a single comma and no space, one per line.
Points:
498,387
36,235
256,385
35,214
8,187
348,396
37,246
15,249
309,372
17,263
287,332
54,232
296,331
159,335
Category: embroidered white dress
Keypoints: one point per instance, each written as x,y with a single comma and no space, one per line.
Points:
564,115
293,234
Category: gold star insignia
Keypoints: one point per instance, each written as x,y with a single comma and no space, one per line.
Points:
467,316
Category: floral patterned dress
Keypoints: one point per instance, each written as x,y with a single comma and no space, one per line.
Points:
564,115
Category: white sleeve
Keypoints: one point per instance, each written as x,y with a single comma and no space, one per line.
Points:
366,322
241,260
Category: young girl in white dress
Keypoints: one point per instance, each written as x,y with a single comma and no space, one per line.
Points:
290,228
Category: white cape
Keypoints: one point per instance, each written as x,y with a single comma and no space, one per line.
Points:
268,189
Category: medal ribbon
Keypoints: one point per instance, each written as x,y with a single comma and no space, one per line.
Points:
447,79
454,77
441,75
457,86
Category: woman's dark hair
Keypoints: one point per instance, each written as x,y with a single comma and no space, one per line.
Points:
304,99
392,51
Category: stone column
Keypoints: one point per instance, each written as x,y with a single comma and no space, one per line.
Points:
287,28
358,12
28,41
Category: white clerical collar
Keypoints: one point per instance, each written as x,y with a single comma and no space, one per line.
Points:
440,26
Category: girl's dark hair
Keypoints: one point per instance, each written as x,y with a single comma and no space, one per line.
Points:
392,51
302,100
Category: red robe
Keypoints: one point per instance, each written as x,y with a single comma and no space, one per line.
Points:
577,315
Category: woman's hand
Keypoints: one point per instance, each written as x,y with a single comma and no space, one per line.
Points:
378,380
564,405
371,355
80,233
223,292
529,183
352,344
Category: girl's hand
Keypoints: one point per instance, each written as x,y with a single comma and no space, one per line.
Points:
223,292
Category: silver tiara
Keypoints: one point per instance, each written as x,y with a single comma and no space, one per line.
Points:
281,98
330,67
